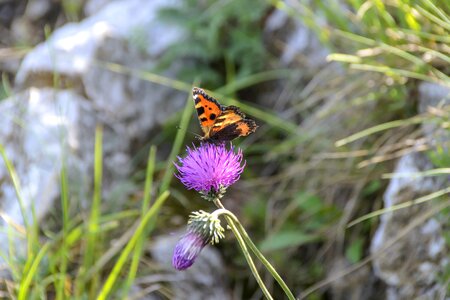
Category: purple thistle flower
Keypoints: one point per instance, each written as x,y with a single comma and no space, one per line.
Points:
187,250
210,168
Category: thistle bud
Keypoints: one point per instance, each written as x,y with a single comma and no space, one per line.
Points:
203,229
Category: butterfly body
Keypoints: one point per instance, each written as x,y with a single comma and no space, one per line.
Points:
220,123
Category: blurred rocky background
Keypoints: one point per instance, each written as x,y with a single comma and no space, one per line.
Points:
352,99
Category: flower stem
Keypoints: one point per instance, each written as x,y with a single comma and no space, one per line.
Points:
243,246
266,263
243,234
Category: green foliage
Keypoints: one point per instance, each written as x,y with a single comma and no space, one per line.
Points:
393,45
440,154
372,188
445,219
50,265
5,87
221,36
440,157
354,251
287,239
315,218
401,39
72,9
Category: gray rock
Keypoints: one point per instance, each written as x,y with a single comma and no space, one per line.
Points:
39,128
298,48
79,54
71,50
36,9
301,41
127,106
412,266
433,94
94,6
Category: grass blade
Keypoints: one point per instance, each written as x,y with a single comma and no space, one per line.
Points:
429,173
186,116
241,83
16,183
93,236
60,287
378,128
145,206
443,79
433,18
32,234
437,11
400,206
26,282
144,75
111,280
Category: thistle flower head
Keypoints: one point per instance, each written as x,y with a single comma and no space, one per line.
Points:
210,168
203,228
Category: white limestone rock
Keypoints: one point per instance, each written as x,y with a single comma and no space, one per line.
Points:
39,129
125,33
411,267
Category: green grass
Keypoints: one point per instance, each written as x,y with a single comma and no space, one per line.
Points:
145,207
93,236
112,278
50,262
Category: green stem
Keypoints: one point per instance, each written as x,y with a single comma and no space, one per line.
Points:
243,234
266,263
247,255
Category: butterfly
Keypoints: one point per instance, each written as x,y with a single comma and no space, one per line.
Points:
220,123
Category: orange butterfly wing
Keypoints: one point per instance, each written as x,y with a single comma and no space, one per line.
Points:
208,110
220,123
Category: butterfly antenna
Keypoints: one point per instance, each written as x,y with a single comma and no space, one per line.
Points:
197,136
